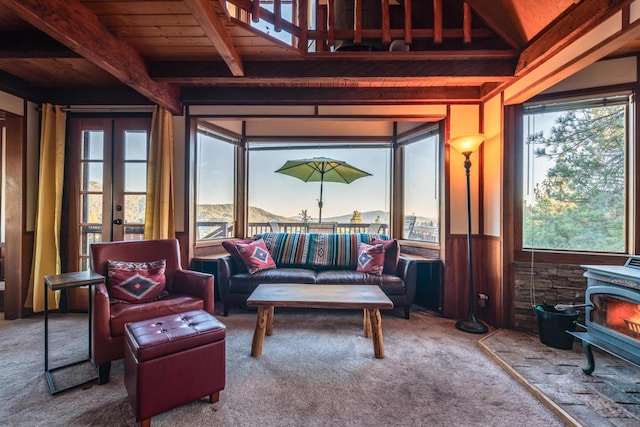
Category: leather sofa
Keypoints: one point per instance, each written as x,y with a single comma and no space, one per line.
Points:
187,291
236,283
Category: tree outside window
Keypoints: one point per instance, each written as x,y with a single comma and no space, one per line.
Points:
575,180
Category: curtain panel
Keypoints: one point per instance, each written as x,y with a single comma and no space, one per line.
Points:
159,214
46,247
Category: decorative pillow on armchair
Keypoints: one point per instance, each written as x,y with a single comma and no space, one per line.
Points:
136,282
255,255
391,254
370,259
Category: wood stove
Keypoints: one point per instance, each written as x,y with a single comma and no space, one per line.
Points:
612,316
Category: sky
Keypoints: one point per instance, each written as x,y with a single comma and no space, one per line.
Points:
288,196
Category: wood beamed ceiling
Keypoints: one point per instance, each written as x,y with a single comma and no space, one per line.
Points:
171,52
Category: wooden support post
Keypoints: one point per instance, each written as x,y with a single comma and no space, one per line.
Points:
466,23
255,11
386,29
357,21
303,22
437,21
332,22
277,11
408,26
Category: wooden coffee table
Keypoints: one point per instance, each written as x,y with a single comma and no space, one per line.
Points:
370,298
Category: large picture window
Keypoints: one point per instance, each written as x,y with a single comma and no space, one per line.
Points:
215,163
288,203
422,187
574,175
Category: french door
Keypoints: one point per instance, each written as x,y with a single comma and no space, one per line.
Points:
107,164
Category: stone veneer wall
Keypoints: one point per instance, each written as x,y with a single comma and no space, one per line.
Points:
553,284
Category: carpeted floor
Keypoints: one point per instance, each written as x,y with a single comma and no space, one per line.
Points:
316,370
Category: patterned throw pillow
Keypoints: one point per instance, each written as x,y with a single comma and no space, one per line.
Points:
136,282
255,255
391,254
230,246
370,259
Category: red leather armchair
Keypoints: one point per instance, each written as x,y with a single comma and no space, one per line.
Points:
188,290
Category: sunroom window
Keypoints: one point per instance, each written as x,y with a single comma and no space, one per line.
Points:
575,182
422,187
215,204
286,202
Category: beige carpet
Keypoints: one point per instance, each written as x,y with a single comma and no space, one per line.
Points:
316,370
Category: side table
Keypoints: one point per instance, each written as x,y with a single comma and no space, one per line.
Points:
58,282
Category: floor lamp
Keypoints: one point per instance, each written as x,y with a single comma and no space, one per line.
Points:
466,145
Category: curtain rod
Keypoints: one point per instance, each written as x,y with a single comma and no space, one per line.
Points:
106,108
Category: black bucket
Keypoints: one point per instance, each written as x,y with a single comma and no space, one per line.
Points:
552,325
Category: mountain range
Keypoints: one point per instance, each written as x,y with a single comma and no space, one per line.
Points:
224,212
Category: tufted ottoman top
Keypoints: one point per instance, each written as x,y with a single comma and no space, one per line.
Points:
150,339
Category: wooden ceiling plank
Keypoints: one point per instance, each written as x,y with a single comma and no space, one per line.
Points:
207,16
77,27
570,26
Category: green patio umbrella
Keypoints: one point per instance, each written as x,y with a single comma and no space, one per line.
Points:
322,169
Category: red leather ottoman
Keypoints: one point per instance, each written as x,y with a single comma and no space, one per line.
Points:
173,360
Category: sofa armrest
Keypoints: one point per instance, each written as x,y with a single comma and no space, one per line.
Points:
226,269
408,271
196,284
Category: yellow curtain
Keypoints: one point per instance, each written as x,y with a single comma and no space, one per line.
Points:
46,245
159,220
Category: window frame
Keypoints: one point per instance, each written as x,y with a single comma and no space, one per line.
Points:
414,136
632,160
223,136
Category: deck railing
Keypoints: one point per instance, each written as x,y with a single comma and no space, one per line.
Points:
216,230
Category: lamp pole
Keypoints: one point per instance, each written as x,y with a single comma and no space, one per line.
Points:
466,145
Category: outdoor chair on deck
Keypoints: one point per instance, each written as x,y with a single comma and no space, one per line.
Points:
184,291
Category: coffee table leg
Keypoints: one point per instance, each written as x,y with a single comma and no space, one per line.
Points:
376,329
258,335
367,324
269,330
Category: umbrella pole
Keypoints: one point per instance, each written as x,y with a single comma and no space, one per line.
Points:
320,201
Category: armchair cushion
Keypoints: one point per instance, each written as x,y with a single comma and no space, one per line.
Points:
136,282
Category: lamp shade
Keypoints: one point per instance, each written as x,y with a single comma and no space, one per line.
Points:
467,143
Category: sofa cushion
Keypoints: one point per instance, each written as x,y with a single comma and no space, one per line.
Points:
256,256
245,282
136,282
391,254
309,250
390,284
370,259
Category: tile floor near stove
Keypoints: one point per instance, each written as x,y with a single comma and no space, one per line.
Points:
608,397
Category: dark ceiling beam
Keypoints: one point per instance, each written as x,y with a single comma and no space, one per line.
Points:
208,17
20,88
122,95
496,14
31,45
576,22
77,27
216,72
332,95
